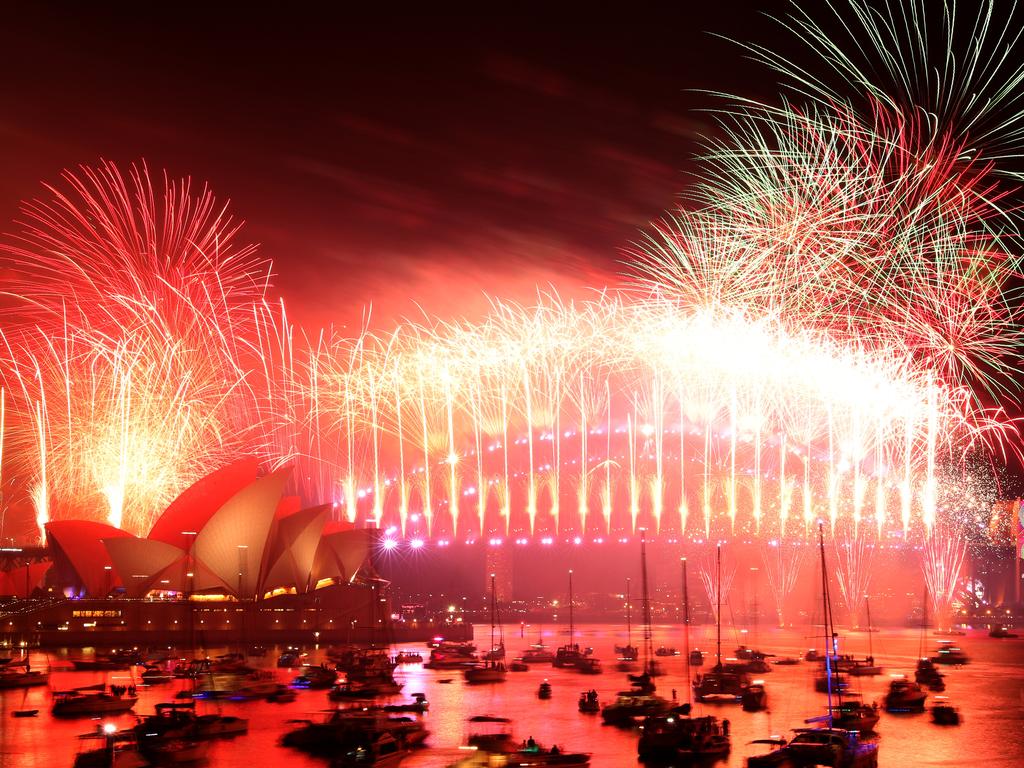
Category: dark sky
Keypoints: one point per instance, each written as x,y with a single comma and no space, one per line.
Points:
390,158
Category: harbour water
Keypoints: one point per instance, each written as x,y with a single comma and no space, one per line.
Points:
989,691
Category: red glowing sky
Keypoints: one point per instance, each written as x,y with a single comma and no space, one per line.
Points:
388,161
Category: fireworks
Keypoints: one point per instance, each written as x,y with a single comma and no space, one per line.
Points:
810,341
126,357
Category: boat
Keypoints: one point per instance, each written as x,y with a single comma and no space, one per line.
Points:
819,746
381,750
362,689
118,750
570,655
1000,632
588,702
828,745
316,677
904,696
652,668
345,727
419,704
518,665
719,683
492,669
180,721
786,661
674,737
696,657
408,657
754,697
628,653
853,715
865,667
18,674
538,653
944,713
290,658
754,661
665,651
628,708
928,674
813,655
544,690
948,653
92,701
491,743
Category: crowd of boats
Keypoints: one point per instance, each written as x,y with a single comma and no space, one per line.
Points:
367,726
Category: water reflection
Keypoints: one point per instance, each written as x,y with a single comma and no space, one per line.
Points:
989,691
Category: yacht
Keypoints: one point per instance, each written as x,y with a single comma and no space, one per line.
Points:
91,701
675,736
944,713
492,668
853,715
720,683
821,746
948,653
904,696
754,697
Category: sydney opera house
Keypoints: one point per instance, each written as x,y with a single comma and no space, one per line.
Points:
231,559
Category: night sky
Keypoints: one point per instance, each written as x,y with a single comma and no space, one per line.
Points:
392,159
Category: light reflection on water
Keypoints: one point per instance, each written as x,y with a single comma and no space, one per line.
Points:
989,691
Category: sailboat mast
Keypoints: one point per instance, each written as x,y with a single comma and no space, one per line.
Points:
826,617
718,613
648,643
629,618
871,649
493,613
686,625
572,629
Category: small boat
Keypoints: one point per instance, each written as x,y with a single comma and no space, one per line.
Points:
904,696
853,715
518,666
488,672
814,655
1001,631
696,658
408,657
491,743
381,750
119,749
25,713
928,674
676,738
948,653
316,677
544,691
754,697
90,702
538,654
492,669
419,704
786,661
628,708
588,702
11,676
180,721
820,746
290,658
666,651
944,713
